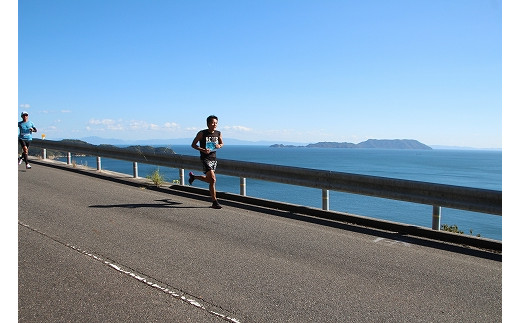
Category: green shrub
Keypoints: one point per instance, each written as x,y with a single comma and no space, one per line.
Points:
455,229
156,177
451,228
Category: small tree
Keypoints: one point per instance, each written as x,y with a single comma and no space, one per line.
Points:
156,177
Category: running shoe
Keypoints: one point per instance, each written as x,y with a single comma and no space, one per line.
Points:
216,205
20,160
27,166
192,178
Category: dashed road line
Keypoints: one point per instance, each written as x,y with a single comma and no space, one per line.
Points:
140,277
391,242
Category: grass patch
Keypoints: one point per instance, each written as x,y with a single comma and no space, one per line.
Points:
156,177
455,229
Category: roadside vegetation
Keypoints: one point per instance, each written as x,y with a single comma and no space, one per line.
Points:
455,229
156,177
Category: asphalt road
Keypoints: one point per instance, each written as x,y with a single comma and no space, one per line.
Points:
95,250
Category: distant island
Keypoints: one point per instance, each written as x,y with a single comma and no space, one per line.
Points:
370,143
145,149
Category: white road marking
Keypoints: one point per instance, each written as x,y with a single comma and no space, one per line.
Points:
112,265
391,242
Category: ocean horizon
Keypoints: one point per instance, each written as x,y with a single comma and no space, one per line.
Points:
235,142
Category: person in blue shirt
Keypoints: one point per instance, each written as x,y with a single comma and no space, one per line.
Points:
26,128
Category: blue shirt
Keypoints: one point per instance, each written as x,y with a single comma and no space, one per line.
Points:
25,132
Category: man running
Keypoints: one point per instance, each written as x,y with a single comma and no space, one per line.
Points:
26,128
206,142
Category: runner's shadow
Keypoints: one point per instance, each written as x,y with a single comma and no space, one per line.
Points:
166,204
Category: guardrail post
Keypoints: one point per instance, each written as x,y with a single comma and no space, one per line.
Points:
243,186
436,218
69,158
136,174
325,200
181,176
98,162
44,153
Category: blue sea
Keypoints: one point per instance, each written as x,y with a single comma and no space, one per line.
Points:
470,168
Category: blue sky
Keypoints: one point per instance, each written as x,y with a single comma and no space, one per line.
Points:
283,71
301,71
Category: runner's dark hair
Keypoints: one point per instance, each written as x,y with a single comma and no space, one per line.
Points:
208,119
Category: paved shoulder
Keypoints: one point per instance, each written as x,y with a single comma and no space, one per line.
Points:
247,264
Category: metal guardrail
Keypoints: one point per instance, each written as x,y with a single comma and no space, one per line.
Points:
437,195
